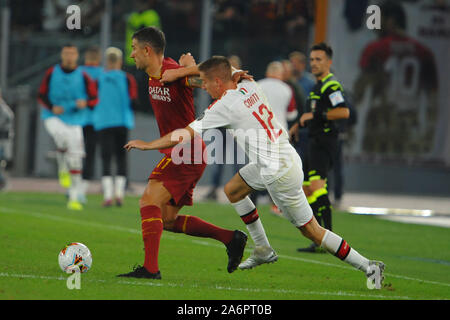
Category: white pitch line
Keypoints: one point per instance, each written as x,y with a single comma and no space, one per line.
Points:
200,242
216,287
74,221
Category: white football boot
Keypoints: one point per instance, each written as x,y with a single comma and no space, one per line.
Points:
375,274
260,255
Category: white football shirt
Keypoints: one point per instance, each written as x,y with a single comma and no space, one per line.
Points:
257,131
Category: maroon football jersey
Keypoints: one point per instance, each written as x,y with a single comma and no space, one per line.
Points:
172,103
396,53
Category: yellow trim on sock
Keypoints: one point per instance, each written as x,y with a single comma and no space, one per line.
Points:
152,219
184,224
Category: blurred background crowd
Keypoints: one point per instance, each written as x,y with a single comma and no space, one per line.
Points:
256,30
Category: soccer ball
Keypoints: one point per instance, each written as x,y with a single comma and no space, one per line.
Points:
75,257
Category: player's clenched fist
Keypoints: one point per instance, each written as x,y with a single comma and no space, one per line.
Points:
136,144
186,60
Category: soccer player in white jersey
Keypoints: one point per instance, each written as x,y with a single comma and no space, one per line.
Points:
274,165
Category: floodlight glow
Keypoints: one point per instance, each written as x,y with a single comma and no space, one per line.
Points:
391,211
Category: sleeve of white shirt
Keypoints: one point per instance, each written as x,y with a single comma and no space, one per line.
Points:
215,116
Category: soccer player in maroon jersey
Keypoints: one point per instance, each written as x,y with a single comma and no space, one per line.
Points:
170,186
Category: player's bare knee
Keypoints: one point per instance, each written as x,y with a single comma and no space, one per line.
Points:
154,195
147,200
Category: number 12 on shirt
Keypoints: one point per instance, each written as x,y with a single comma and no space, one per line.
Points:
270,130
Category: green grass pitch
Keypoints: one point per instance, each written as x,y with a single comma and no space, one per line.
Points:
35,226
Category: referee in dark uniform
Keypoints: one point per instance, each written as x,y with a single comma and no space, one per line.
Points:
325,105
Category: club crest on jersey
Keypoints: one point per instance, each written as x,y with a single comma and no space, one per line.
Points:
160,93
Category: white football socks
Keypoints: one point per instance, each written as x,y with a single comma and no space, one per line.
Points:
119,186
61,161
340,248
107,186
248,213
75,187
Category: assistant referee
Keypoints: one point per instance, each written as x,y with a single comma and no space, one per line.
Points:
326,104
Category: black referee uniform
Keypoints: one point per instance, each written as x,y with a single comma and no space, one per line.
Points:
327,94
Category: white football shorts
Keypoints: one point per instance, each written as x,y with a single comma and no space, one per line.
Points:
66,137
286,192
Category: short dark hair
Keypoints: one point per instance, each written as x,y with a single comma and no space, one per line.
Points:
93,53
153,36
324,47
298,55
220,65
69,45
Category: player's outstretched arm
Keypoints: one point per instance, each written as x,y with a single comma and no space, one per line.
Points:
169,140
190,71
237,76
175,74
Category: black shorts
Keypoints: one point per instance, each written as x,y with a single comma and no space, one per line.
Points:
321,153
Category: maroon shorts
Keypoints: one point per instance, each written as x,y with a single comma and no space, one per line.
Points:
178,179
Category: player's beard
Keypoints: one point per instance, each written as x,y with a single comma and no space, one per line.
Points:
139,66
